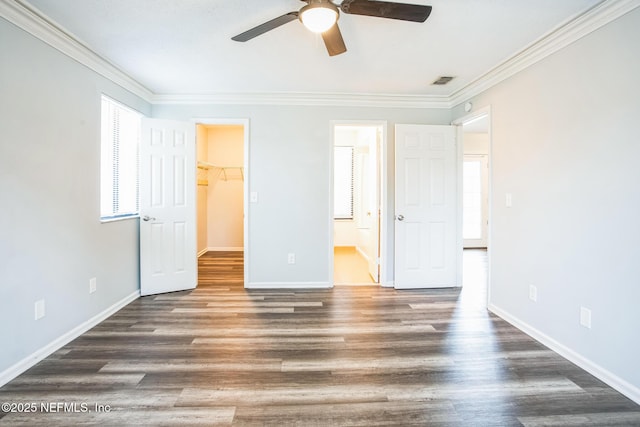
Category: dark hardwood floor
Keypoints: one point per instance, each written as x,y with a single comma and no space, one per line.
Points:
364,355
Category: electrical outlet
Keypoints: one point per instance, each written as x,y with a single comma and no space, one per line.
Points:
291,258
533,293
585,317
93,285
508,200
39,309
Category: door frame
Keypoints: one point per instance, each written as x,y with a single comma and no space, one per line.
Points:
385,280
245,187
460,122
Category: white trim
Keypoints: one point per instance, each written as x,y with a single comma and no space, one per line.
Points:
480,112
308,99
330,217
225,249
30,19
459,202
29,361
202,252
34,22
386,211
288,285
611,379
362,253
562,36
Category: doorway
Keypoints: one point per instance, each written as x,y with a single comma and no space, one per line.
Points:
357,196
475,182
221,188
475,134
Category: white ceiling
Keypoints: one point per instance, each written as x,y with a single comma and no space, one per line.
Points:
185,47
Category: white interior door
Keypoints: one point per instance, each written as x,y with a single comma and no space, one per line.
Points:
366,198
475,189
168,259
426,206
374,212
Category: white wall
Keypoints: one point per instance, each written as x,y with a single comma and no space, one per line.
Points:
345,233
565,144
290,168
51,239
476,143
225,196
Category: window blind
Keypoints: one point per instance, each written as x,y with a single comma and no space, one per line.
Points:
343,183
119,159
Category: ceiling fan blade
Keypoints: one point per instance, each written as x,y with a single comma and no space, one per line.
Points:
333,41
267,26
383,9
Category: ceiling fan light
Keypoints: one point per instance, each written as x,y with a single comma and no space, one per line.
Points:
319,17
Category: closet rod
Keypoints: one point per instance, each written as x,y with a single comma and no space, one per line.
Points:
207,165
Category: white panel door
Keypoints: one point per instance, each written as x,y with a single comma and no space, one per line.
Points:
168,260
366,202
426,206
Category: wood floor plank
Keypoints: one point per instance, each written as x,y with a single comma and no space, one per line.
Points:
349,356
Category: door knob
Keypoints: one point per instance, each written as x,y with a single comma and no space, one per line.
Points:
400,217
148,218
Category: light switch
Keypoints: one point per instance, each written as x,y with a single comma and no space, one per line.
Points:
253,197
585,317
508,202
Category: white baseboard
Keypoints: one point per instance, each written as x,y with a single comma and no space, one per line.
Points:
288,285
388,284
202,252
225,249
362,254
29,361
624,387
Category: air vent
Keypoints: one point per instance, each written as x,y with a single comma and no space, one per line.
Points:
443,80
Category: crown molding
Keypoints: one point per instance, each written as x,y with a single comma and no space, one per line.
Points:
309,99
567,33
28,18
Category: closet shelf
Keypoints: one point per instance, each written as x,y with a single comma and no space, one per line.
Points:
222,169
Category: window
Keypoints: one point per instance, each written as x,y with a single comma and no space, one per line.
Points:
120,135
472,199
343,183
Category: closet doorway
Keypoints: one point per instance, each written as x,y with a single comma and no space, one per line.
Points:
222,181
357,177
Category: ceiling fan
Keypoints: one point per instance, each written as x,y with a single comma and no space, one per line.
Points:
321,16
